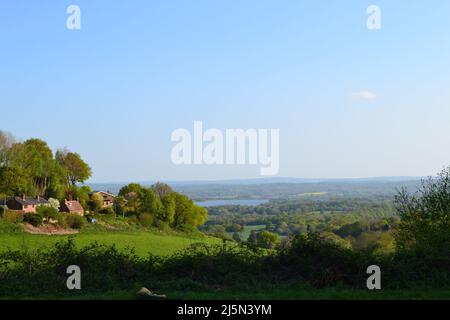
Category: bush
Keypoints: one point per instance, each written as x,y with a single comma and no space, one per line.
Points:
9,227
12,216
47,213
323,263
424,227
107,211
161,225
188,228
33,218
268,240
146,220
74,221
133,219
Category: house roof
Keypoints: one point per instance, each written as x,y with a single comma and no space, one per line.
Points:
104,192
74,206
25,201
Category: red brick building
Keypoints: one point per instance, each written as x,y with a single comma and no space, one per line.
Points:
71,206
25,204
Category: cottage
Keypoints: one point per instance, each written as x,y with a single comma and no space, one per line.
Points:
25,204
71,206
108,198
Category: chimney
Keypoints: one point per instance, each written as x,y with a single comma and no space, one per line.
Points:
23,196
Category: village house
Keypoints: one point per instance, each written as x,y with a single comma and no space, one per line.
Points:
71,206
25,204
108,198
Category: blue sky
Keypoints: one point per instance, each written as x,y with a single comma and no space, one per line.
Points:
137,70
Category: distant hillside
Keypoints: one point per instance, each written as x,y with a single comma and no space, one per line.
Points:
283,188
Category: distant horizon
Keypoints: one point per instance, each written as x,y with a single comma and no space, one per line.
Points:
168,181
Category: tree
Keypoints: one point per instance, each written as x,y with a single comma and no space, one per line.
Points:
130,193
267,239
35,159
187,213
76,169
6,141
169,204
120,206
425,217
53,203
82,194
162,189
47,213
14,182
96,202
150,203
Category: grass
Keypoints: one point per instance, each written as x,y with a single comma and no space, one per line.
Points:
271,293
143,242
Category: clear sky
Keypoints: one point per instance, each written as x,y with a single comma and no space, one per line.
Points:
349,102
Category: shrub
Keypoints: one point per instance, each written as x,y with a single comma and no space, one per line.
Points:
9,227
133,219
12,216
188,228
323,263
107,211
47,213
54,204
425,216
161,225
33,219
146,220
268,240
74,221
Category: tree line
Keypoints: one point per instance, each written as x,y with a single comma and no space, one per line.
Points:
31,168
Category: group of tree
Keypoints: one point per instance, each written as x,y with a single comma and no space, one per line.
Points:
160,206
31,168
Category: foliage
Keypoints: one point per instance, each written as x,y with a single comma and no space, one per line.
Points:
95,202
146,220
47,213
74,221
165,205
30,168
425,217
54,203
75,169
12,216
7,227
264,239
14,182
308,260
33,219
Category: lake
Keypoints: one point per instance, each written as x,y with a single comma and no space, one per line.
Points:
232,202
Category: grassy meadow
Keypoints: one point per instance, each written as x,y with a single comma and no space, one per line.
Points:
143,242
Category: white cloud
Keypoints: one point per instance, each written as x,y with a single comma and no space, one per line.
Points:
364,95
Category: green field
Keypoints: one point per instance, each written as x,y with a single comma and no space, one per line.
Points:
143,242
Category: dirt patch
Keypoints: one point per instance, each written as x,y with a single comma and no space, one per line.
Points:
49,229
